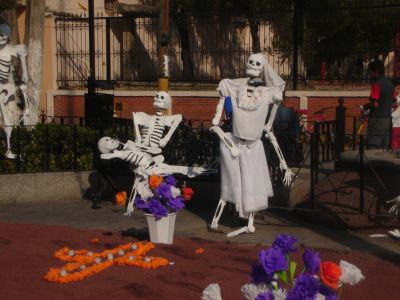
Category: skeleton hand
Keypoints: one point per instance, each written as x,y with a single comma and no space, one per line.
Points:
288,177
396,205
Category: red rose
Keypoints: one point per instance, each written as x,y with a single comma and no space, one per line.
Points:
330,274
187,193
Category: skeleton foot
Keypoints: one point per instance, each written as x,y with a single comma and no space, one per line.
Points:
247,229
10,155
394,233
395,206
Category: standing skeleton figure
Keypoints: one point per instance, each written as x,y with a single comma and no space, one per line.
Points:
144,154
245,179
9,111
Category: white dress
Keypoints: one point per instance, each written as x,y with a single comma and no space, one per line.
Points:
245,180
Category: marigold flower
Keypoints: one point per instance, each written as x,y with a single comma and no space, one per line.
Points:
187,193
330,274
120,198
155,181
200,251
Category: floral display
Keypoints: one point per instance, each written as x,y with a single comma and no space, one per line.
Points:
84,263
276,277
160,196
120,198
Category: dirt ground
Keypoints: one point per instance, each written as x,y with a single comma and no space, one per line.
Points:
27,254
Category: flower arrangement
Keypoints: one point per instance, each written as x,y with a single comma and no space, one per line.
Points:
274,275
160,196
83,263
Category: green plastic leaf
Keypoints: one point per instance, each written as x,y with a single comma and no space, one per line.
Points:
292,268
282,276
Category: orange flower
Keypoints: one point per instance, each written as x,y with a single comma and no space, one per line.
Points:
120,198
200,251
330,274
155,181
94,241
187,193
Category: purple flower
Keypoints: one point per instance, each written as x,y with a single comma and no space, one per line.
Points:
285,243
141,203
272,260
258,275
327,292
305,288
176,203
157,209
164,190
266,296
311,261
170,180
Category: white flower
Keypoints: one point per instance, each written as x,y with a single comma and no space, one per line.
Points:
175,191
212,292
144,190
280,294
251,290
350,273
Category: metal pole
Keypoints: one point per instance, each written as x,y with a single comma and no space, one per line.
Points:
312,171
92,58
361,154
108,49
163,57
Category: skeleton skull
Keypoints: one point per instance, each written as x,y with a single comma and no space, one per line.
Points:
255,65
107,145
5,32
162,100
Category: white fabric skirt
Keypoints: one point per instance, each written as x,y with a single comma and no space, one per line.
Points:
245,180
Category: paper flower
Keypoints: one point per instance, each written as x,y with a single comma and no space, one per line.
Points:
120,198
305,287
311,261
155,181
274,276
187,193
350,273
330,274
212,292
285,243
159,196
272,260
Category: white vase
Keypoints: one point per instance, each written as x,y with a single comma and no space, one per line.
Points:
161,231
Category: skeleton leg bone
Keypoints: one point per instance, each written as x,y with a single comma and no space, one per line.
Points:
217,214
132,196
246,229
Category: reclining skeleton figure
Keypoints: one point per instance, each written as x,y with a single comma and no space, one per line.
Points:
144,154
245,179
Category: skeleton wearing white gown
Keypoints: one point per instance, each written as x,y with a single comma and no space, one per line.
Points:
9,111
245,179
144,153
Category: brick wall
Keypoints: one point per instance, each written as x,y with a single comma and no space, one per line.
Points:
203,108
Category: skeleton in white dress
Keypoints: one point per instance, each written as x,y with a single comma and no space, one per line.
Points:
245,179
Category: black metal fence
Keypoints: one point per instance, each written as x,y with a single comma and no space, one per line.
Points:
213,48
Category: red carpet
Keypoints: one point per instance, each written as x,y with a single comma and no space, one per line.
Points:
26,254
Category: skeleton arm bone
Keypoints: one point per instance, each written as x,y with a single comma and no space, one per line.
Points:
227,141
174,122
21,52
137,118
218,111
270,135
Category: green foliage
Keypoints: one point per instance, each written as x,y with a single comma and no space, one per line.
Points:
50,148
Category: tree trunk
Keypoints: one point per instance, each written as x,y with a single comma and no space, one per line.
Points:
34,36
256,48
182,25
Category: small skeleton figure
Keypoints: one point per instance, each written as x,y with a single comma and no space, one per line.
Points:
144,153
245,179
9,111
